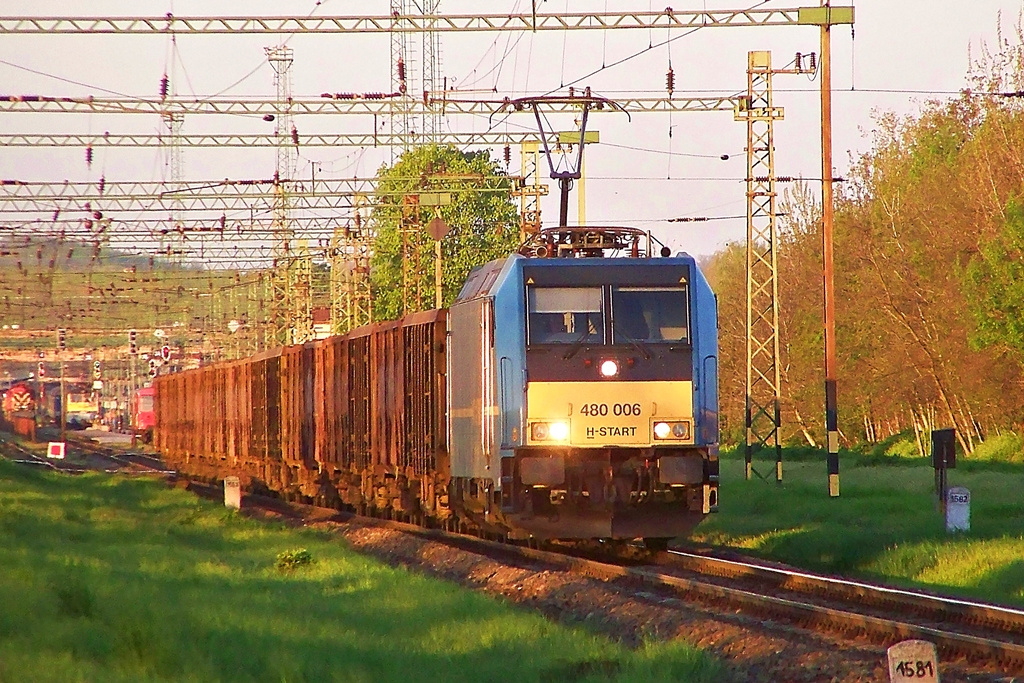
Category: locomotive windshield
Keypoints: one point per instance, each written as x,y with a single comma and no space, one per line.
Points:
566,315
649,314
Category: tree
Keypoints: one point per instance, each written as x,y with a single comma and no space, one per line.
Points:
994,281
481,216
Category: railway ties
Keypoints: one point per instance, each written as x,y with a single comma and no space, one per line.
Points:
981,634
958,627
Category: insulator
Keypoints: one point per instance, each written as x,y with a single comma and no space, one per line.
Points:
88,156
56,214
223,220
572,91
813,66
401,76
359,221
799,60
103,183
87,223
97,215
508,153
670,81
71,252
268,117
163,86
295,136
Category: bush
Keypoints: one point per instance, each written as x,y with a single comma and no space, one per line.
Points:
903,447
290,560
1006,447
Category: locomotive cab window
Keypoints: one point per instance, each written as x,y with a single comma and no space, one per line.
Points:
650,314
565,315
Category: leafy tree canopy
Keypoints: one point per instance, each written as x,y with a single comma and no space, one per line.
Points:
994,281
481,216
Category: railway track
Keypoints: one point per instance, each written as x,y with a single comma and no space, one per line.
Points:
982,634
82,455
977,632
131,460
965,627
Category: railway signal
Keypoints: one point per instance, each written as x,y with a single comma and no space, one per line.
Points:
40,370
165,352
62,341
152,367
97,372
132,348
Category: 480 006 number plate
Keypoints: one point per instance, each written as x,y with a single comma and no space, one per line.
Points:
616,409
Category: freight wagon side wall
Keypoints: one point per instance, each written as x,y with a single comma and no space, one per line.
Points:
354,410
426,446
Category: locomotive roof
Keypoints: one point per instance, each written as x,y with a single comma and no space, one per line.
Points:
484,280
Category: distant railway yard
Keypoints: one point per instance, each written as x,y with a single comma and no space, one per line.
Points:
755,619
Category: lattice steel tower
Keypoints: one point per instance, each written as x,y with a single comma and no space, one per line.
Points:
763,406
291,287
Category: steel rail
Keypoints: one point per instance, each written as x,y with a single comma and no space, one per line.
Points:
968,611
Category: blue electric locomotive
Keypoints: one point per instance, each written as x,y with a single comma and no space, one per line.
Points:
584,392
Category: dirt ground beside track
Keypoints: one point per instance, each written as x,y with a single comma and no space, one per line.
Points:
755,650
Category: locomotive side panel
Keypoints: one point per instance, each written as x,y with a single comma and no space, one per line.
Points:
471,404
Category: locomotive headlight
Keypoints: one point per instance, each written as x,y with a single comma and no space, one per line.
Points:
549,431
609,368
539,431
672,430
559,431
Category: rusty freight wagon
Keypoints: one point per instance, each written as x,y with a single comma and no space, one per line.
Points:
357,419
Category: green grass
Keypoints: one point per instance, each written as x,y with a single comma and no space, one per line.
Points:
109,579
884,525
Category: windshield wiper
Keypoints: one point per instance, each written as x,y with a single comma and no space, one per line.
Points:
576,346
636,343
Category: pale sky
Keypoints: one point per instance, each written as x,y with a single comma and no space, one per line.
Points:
902,53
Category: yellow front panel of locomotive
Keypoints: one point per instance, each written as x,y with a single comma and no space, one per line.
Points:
608,413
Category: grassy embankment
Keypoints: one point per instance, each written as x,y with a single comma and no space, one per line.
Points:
885,524
108,579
